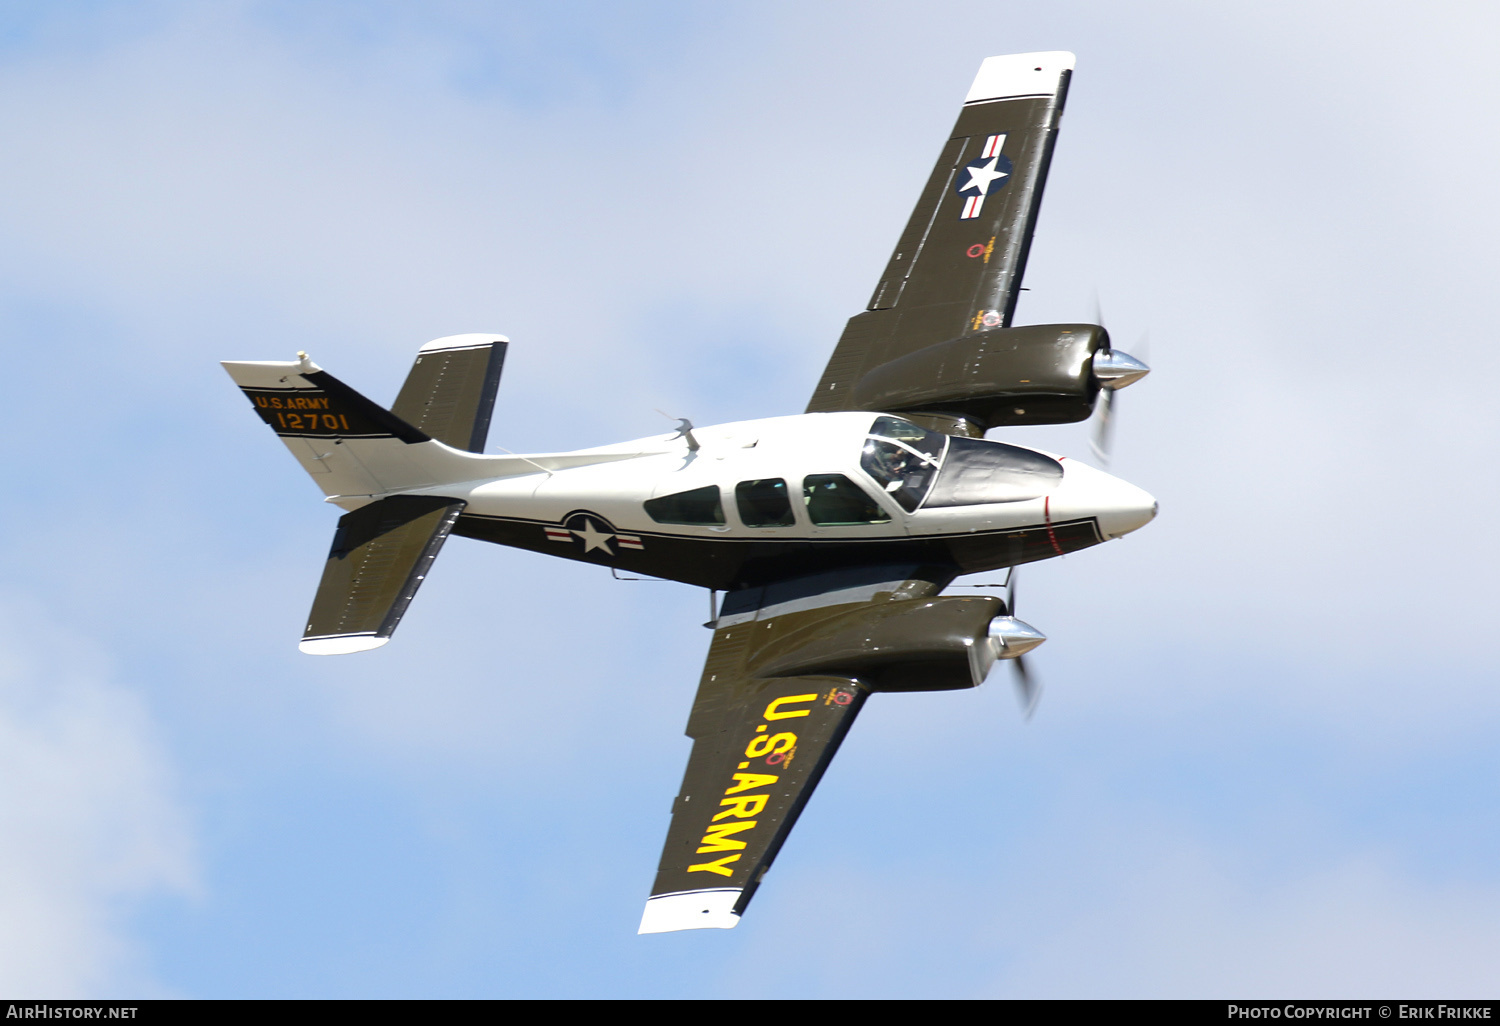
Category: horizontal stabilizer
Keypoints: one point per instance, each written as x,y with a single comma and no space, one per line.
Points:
450,391
381,554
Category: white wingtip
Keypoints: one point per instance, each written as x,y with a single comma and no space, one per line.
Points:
691,910
342,645
473,340
1020,74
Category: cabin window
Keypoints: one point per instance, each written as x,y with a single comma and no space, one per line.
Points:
835,501
699,506
764,503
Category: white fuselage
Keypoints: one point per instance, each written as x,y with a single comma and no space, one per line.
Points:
787,448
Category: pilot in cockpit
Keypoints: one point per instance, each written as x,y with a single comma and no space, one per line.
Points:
889,464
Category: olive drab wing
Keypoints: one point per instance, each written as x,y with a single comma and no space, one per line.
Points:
956,270
759,748
789,671
790,666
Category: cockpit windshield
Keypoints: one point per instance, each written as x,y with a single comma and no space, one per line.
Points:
903,459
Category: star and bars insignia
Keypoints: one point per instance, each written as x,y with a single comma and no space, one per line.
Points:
980,177
594,532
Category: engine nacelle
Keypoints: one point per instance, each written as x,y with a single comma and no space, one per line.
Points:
1037,374
931,644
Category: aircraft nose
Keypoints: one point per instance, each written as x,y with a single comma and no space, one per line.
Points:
1118,506
1124,508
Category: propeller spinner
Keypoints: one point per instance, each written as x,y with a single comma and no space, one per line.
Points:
1013,638
1113,369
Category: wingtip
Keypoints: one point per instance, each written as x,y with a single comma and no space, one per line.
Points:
1020,74
342,645
472,340
691,910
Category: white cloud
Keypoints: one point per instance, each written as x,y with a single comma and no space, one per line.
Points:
89,822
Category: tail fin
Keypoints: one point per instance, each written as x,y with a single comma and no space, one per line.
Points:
450,390
363,456
354,448
381,554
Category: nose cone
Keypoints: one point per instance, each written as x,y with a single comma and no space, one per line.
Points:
1118,506
1129,508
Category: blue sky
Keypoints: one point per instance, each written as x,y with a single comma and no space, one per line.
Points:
1264,762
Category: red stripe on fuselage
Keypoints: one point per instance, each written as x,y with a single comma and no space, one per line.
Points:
1051,534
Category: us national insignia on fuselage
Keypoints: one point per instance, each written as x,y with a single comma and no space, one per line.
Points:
593,532
979,178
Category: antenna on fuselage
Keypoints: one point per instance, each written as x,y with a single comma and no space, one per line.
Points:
684,430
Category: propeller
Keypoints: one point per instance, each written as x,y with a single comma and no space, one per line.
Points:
1028,688
1103,427
1119,369
1114,369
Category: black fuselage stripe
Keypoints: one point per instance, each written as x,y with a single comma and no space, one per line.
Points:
723,539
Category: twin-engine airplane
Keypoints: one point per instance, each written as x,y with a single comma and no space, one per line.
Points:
831,533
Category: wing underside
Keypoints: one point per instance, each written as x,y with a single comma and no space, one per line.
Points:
759,749
789,668
957,267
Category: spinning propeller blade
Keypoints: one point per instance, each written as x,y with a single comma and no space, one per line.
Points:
1100,442
1028,689
1115,369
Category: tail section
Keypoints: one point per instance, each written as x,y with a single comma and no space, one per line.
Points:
365,457
356,449
381,554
